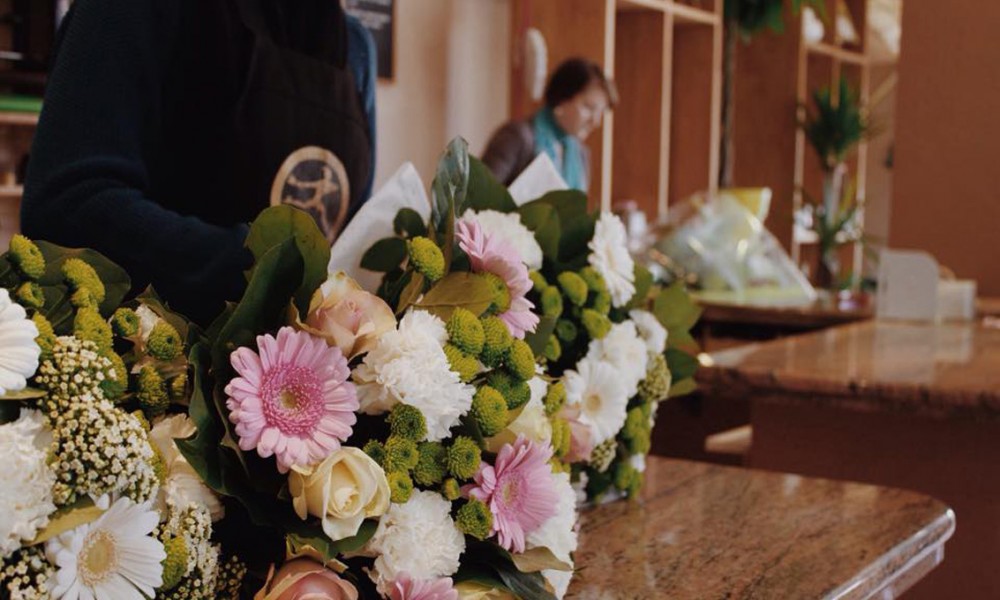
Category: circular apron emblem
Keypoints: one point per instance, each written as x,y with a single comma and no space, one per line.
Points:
314,180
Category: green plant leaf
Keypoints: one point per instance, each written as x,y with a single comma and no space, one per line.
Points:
200,449
457,290
449,191
538,559
409,224
277,224
543,220
676,311
330,549
384,255
487,563
537,339
485,192
682,365
116,281
67,519
410,293
683,388
22,395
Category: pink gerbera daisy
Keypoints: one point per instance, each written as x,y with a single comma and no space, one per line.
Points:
519,491
491,255
292,399
406,588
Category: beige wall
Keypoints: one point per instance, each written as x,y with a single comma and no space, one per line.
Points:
946,196
452,78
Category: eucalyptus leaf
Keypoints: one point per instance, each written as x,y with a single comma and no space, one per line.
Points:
682,365
683,388
384,255
677,311
277,224
458,290
409,224
543,220
449,189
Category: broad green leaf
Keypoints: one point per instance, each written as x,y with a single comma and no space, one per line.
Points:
67,519
486,561
676,310
643,284
408,223
277,224
116,281
384,255
539,559
683,387
577,232
200,449
543,220
568,203
21,395
537,339
485,192
682,365
465,290
328,549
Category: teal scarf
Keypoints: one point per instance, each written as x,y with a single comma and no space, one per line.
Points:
548,136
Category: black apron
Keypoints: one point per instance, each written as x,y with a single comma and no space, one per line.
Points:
268,114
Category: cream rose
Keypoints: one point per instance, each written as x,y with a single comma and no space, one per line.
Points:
343,491
347,316
302,579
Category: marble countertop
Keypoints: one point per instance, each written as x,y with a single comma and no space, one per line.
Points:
947,370
704,531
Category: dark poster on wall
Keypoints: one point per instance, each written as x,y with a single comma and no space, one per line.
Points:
376,16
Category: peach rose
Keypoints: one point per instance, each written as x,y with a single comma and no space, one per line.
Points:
346,316
342,491
303,579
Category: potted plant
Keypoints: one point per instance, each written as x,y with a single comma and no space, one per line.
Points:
834,127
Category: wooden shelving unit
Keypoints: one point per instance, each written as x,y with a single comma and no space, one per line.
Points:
659,145
776,76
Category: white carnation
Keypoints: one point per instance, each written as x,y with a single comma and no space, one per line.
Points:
25,480
508,227
558,534
624,350
408,365
650,330
183,485
609,255
418,538
597,388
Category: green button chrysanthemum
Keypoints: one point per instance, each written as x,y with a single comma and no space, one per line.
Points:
164,342
30,295
465,331
400,454
463,457
566,330
46,335
376,451
125,322
152,392
175,564
514,391
538,282
521,360
497,340
26,257
426,258
553,349
555,397
89,325
400,487
451,489
475,519
501,293
594,280
407,422
432,465
80,275
574,287
489,409
552,303
596,324
466,366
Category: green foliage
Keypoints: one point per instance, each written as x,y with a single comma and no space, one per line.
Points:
458,290
562,227
448,192
484,191
278,224
538,340
384,255
678,313
835,125
486,563
409,224
753,16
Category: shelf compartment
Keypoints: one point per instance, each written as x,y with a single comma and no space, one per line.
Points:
687,14
643,5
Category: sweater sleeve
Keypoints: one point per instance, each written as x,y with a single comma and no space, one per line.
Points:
509,151
88,179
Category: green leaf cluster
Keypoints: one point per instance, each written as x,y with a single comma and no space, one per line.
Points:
835,124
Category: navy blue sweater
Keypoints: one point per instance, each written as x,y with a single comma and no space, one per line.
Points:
101,130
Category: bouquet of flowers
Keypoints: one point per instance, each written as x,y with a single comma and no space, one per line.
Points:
96,501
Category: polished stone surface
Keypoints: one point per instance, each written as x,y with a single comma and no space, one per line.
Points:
938,370
704,531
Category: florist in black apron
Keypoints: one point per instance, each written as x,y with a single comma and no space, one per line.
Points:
169,124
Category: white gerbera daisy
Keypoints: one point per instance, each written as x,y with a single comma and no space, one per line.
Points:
508,227
558,534
27,480
533,423
182,485
419,538
596,387
623,349
650,330
18,350
408,365
113,557
609,255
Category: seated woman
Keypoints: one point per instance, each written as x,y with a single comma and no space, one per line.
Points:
576,97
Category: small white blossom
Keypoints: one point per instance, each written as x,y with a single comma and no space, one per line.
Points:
610,257
25,480
18,350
